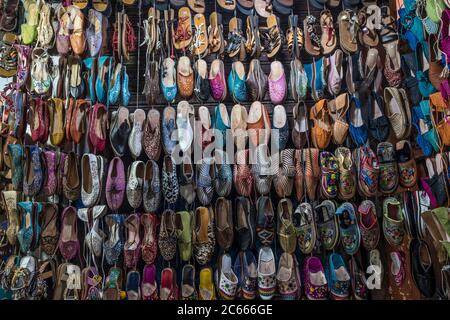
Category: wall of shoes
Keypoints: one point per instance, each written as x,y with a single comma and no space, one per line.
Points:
117,121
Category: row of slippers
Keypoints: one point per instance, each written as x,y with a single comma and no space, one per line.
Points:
354,228
48,173
331,120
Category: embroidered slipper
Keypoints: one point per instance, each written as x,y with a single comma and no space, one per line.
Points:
388,177
406,164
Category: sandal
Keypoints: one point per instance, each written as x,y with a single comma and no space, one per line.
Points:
348,31
367,18
312,39
252,34
215,31
294,37
199,43
236,40
183,33
328,38
272,37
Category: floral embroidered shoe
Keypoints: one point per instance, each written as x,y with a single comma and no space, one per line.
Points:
170,185
388,176
398,270
183,231
330,175
204,238
205,181
368,224
10,202
113,245
115,184
245,268
407,167
26,232
136,176
33,172
132,245
265,220
305,224
149,245
71,179
167,240
151,190
149,286
316,286
287,234
393,227
226,279
266,273
327,224
288,277
338,277
90,185
188,291
347,180
349,230
16,154
69,244
368,170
